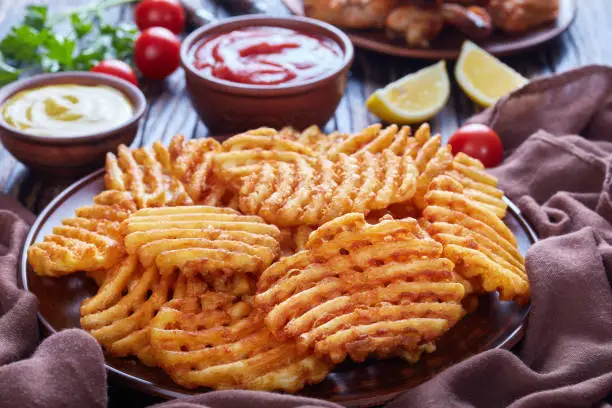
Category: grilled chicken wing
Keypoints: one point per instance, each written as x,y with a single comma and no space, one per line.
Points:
473,21
418,25
517,16
350,13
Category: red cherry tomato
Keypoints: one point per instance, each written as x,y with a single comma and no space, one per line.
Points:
156,52
160,13
116,68
480,142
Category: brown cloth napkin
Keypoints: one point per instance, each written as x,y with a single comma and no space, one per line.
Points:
65,370
562,185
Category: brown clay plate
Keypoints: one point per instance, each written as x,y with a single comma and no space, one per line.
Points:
448,44
494,324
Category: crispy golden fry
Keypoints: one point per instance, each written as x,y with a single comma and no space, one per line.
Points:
361,289
145,173
311,191
373,139
191,163
91,241
482,247
245,153
265,139
311,137
312,142
477,184
432,160
294,239
219,341
201,240
119,315
232,166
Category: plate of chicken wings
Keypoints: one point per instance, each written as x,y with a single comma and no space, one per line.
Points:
435,29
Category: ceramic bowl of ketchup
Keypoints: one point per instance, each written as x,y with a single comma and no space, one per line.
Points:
252,71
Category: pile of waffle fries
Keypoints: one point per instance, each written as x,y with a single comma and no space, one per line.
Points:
262,262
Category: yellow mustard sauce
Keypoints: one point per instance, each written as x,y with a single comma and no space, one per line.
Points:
67,110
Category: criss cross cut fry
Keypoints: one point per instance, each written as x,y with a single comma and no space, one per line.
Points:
482,247
477,184
146,173
201,240
90,241
373,139
219,341
433,159
119,315
361,289
313,137
191,163
313,142
294,239
311,191
265,139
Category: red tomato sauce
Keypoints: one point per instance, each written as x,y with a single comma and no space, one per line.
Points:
267,56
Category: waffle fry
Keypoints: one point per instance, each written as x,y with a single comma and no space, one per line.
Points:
482,247
315,139
373,139
477,184
311,191
362,289
265,139
91,241
191,163
219,341
432,161
146,174
119,315
294,239
201,239
312,141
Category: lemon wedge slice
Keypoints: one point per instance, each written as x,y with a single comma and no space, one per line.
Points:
483,77
413,98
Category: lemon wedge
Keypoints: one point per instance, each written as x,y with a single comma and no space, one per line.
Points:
483,77
413,98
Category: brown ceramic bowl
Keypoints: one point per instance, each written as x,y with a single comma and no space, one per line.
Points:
229,107
69,155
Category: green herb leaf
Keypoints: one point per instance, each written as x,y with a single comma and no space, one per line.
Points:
123,41
49,64
91,55
61,49
22,43
36,16
7,73
107,29
81,24
34,45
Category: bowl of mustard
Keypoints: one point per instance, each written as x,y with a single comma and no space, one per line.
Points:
65,123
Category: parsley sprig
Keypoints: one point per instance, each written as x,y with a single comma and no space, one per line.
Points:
35,45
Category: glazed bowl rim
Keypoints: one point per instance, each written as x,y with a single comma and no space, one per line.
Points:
130,91
226,25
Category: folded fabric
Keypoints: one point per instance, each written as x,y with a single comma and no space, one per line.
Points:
65,370
562,185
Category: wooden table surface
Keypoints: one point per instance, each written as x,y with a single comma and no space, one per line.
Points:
170,111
